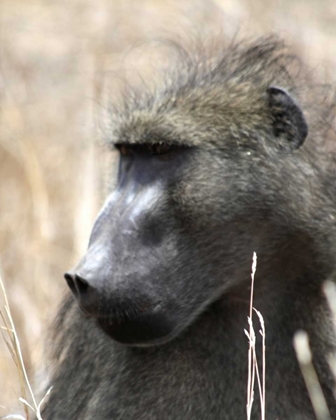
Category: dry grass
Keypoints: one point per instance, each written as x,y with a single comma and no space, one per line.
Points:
303,353
304,356
56,60
253,366
13,344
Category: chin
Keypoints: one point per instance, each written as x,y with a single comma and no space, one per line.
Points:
141,331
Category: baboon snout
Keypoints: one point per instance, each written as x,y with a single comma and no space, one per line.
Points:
125,310
87,295
78,285
90,281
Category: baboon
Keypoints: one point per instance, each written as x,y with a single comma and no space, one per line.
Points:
215,163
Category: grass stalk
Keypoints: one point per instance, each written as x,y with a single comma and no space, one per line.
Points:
13,345
253,368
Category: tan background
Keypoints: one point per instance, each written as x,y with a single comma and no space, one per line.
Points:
56,60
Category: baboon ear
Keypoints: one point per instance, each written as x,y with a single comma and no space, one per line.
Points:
289,123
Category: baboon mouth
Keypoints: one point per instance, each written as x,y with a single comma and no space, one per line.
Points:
85,312
143,327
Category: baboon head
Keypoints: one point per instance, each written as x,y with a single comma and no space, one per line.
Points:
205,165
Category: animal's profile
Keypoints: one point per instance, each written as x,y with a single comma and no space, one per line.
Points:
225,158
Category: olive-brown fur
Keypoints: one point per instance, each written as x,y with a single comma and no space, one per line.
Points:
246,183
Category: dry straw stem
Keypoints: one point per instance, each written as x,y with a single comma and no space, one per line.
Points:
14,348
253,369
329,289
304,356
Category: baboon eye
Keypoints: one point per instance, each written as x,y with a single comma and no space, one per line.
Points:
125,149
156,149
162,148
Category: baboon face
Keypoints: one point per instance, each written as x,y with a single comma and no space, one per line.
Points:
180,228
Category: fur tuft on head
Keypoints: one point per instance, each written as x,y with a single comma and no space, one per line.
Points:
220,95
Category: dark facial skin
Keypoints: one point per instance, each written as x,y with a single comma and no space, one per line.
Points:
121,282
153,263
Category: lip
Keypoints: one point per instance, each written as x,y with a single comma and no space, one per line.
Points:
137,329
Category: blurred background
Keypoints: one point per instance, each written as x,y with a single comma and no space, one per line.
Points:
58,61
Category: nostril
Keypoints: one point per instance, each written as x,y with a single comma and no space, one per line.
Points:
81,284
70,279
77,284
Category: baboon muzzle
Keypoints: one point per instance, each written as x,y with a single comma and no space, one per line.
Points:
134,320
